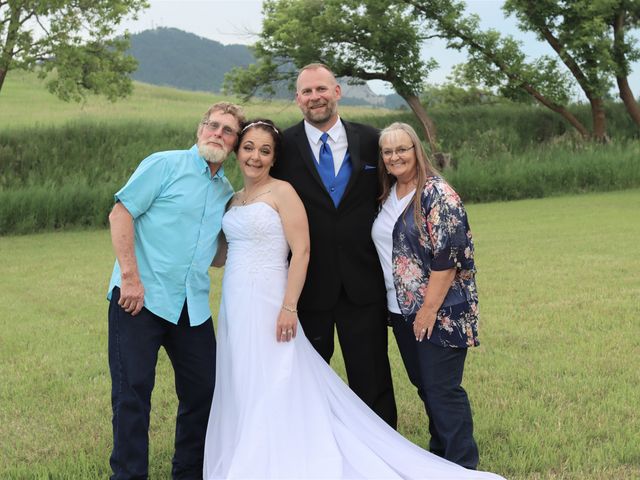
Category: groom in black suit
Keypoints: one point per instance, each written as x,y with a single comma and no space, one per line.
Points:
332,164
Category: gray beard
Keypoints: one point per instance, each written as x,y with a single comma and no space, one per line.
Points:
211,154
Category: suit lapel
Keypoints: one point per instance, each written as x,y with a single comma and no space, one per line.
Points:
353,139
302,142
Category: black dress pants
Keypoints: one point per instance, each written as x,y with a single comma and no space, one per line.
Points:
362,332
437,374
134,343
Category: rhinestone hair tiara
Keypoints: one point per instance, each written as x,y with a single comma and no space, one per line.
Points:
260,122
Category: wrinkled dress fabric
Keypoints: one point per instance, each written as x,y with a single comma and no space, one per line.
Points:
279,411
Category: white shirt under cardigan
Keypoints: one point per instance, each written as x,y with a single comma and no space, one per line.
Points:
337,142
382,234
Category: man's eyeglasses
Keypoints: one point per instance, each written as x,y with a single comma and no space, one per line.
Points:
212,127
400,151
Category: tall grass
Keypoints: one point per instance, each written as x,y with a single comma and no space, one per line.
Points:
66,176
548,170
554,385
61,163
55,207
516,127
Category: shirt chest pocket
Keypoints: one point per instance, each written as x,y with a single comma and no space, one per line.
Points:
188,197
369,169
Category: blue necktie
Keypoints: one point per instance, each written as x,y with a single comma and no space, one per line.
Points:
327,170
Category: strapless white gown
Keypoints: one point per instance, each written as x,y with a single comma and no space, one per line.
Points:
279,411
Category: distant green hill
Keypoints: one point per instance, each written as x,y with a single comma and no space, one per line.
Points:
171,57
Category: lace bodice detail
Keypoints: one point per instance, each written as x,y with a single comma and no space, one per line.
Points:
256,237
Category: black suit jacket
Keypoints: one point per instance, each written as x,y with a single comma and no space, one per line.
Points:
342,252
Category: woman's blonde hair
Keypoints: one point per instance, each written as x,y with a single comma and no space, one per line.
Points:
424,169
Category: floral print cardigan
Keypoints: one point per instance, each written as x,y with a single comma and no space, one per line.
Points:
446,243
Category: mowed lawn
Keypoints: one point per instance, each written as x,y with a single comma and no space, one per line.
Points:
555,385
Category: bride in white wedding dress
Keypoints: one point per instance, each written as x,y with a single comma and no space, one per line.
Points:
279,411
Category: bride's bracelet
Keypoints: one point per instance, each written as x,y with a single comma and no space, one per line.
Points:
290,308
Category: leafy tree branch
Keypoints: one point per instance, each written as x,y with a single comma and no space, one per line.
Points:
71,43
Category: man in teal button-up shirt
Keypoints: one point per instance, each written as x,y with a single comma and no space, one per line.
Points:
164,228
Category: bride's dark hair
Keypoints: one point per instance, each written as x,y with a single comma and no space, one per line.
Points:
263,124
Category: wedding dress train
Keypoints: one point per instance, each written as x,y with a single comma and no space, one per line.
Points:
279,411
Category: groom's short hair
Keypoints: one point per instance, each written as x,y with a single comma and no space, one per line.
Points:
316,66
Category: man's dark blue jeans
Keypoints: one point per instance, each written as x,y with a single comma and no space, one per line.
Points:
134,343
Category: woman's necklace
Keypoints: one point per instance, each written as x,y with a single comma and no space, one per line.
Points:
402,189
249,200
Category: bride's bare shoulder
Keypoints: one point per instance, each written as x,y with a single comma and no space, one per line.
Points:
285,196
280,187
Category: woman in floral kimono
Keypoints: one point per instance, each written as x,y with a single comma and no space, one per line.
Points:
424,243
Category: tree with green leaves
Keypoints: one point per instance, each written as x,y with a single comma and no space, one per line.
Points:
361,39
498,61
70,42
456,93
589,38
625,17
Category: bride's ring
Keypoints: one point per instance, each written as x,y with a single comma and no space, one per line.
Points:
289,332
423,330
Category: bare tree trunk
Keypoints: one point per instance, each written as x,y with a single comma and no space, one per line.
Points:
597,105
6,55
3,75
599,120
626,95
559,109
440,159
428,126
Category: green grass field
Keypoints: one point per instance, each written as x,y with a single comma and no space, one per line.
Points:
555,385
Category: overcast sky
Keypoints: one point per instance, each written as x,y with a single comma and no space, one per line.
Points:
239,21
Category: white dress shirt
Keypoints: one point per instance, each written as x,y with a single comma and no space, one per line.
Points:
337,141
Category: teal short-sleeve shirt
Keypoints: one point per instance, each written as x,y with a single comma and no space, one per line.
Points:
177,208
